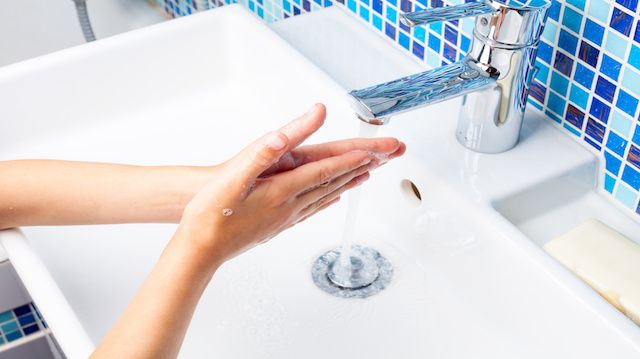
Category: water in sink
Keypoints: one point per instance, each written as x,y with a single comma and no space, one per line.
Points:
353,270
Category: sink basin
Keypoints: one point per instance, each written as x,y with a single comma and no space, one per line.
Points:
467,282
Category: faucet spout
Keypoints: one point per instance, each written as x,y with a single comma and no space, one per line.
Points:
377,103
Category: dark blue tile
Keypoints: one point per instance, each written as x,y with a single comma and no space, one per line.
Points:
629,4
616,143
627,103
404,27
574,116
418,50
296,10
563,63
588,54
595,129
538,91
631,176
30,329
306,5
406,5
554,10
22,310
568,42
377,6
605,89
621,21
434,43
26,319
600,110
583,76
592,143
449,52
545,52
437,3
451,34
610,67
612,163
637,34
593,32
634,156
390,31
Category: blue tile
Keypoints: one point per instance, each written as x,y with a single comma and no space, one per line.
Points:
556,104
9,326
26,319
593,32
637,35
420,33
627,103
574,116
621,21
605,89
13,336
568,42
593,143
610,67
390,31
634,156
376,5
631,177
616,144
577,3
376,21
600,110
579,96
559,83
465,43
554,10
418,50
588,54
434,43
612,163
595,129
5,316
538,91
30,329
545,52
404,40
563,63
609,183
583,76
450,34
629,4
572,19
634,57
636,135
449,52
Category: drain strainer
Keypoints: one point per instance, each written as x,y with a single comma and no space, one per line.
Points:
371,273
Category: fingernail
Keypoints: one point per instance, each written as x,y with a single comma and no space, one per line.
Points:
312,109
365,161
275,141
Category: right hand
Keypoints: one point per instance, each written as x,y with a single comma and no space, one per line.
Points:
273,184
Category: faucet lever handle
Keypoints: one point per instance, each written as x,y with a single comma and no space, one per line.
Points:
446,13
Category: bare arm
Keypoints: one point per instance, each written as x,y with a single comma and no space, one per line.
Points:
43,192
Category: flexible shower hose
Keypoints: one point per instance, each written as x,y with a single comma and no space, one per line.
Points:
83,18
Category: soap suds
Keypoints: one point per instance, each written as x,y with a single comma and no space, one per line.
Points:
227,212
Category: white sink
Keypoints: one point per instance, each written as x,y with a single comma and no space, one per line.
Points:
467,282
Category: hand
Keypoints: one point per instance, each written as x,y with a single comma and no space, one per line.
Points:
274,184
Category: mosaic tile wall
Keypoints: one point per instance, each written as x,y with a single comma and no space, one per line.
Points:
19,322
589,61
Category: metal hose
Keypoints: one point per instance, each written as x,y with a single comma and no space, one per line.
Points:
85,22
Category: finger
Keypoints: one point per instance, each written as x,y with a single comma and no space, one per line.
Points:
304,126
258,156
314,174
355,182
387,147
321,208
315,194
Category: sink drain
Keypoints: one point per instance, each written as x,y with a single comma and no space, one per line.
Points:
371,273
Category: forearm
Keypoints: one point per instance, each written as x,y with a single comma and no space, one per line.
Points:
160,313
43,192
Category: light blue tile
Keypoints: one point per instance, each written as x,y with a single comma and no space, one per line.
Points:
550,32
579,96
616,45
5,316
9,326
433,59
621,124
599,9
631,80
626,196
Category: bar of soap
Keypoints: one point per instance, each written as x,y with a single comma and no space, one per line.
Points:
608,261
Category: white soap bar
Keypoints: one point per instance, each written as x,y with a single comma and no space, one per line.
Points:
605,259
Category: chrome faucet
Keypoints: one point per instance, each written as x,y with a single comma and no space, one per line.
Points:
494,77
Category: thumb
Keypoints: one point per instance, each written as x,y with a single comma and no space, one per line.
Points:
260,155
